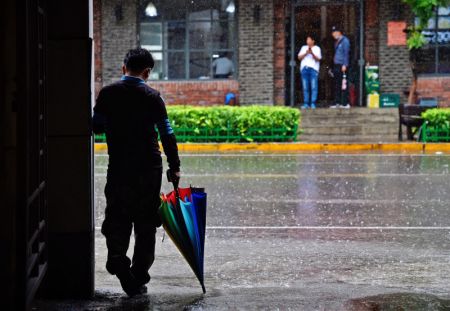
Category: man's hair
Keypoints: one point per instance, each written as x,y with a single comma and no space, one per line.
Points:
336,28
139,59
312,36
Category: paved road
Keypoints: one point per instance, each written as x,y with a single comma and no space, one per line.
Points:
303,232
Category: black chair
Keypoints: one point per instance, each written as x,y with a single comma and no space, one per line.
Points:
411,117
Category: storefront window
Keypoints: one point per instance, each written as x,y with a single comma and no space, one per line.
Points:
434,57
186,36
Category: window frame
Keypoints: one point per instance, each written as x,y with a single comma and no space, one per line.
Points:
187,50
436,45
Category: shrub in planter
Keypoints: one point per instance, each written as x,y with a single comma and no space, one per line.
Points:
437,125
232,124
222,123
439,117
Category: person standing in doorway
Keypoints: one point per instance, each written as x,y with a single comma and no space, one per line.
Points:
129,111
340,70
310,56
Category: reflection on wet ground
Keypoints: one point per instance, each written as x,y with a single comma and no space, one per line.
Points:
303,232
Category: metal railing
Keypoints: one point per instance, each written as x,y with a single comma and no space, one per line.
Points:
183,134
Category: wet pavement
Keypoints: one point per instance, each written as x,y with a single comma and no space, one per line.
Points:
302,232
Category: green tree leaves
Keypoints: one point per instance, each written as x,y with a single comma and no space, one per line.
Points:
424,10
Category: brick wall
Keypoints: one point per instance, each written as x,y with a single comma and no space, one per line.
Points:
117,37
98,67
256,44
371,32
435,87
395,70
279,53
195,93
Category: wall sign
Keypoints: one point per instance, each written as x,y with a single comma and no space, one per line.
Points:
437,37
396,34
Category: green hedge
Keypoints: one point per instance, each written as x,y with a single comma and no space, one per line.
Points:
439,117
437,125
234,124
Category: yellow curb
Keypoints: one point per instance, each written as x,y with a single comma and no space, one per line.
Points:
436,147
100,147
307,147
401,147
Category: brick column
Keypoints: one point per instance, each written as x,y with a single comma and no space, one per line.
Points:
97,14
279,52
256,68
118,36
395,69
371,32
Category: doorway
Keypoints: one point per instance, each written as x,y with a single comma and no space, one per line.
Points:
309,18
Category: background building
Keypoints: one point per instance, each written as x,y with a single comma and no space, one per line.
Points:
262,39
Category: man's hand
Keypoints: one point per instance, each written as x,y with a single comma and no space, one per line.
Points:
173,177
344,68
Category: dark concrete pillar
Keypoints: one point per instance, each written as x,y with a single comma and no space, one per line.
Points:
8,156
70,175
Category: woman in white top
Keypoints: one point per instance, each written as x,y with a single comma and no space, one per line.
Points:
310,56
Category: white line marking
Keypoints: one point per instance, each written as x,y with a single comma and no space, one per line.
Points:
329,175
319,228
319,201
323,228
324,154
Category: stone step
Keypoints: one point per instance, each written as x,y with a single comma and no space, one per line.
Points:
346,113
342,119
354,121
349,125
348,131
354,111
348,139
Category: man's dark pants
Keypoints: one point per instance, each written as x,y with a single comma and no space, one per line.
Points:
341,97
132,201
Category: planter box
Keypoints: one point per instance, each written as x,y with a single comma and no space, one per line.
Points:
230,135
434,135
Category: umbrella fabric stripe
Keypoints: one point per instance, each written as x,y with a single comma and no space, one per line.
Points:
185,222
199,245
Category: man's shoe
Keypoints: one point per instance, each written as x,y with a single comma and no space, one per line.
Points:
346,106
143,290
313,106
129,283
335,106
141,278
305,106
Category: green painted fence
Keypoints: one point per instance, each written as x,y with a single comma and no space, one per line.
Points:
433,134
230,135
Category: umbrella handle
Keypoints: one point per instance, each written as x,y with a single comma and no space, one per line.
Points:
175,183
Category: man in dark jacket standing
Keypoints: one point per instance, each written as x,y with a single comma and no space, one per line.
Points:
129,111
340,70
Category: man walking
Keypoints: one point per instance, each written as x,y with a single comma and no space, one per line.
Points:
310,56
340,69
128,111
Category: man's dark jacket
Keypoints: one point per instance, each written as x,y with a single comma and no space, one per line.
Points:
129,111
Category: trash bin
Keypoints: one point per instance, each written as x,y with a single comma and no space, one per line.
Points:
372,84
372,80
389,100
373,100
